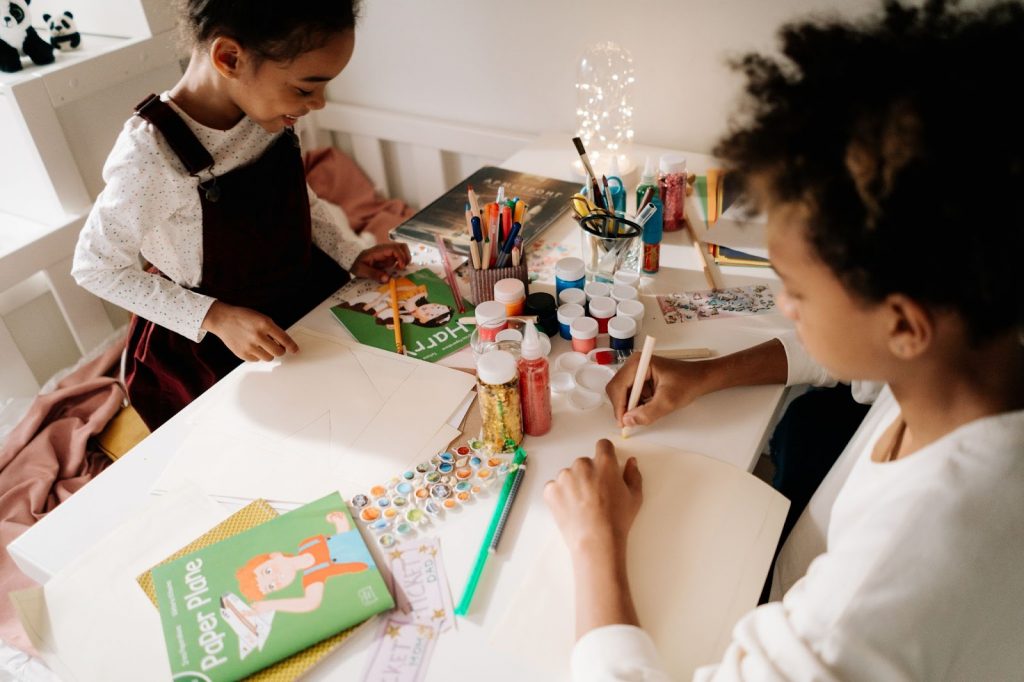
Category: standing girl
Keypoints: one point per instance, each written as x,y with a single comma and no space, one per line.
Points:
206,183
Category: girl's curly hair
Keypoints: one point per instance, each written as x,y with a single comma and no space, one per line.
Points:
904,138
273,31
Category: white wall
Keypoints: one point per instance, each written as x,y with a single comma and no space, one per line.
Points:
512,65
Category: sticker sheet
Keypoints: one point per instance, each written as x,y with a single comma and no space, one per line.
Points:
711,304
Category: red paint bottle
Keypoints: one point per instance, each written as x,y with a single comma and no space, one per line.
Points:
534,385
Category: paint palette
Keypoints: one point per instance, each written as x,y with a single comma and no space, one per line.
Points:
425,493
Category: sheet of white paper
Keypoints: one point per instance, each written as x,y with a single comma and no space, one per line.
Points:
336,415
92,621
698,555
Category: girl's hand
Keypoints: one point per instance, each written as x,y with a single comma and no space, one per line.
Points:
594,503
374,262
248,334
671,384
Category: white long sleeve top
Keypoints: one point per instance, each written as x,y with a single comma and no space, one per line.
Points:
150,206
912,573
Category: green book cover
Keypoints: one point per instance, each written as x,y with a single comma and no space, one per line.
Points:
243,603
431,327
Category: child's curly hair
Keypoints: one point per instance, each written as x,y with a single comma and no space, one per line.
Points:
903,138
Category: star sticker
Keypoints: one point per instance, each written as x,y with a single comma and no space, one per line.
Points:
438,613
393,631
426,632
424,548
396,554
433,551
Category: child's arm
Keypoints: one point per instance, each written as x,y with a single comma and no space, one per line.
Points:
595,505
372,263
307,602
340,521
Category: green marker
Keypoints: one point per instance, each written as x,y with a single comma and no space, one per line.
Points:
500,513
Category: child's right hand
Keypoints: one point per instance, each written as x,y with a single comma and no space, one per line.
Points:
248,334
672,384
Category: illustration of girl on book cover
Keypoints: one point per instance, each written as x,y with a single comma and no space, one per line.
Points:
414,305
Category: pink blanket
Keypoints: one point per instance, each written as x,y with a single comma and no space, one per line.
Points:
46,459
336,178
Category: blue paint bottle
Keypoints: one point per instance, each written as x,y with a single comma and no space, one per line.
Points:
570,273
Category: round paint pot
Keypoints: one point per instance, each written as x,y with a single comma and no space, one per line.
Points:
360,501
562,382
593,378
380,525
386,540
570,362
582,399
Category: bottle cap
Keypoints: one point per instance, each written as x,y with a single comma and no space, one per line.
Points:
509,290
496,367
634,309
602,307
570,269
672,163
531,349
568,312
583,328
542,304
513,335
490,313
647,177
572,295
627,277
624,292
622,327
592,289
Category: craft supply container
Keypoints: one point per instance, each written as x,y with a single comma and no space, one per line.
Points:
609,244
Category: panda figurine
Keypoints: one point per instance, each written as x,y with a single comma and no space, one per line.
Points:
17,36
64,33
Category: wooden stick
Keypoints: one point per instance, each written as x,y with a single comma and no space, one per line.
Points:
685,353
711,271
396,318
638,380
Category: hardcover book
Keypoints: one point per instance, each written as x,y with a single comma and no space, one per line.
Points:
431,322
546,198
241,604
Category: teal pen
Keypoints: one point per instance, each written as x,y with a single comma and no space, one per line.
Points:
501,511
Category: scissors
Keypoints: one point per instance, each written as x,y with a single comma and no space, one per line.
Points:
582,206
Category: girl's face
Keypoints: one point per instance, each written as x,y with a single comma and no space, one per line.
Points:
277,94
844,333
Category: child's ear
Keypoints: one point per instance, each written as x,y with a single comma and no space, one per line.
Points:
226,56
911,327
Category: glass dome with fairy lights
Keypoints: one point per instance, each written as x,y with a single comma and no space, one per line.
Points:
604,107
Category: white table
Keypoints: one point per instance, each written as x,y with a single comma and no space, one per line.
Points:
730,425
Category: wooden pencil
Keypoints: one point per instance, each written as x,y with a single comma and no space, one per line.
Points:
396,318
638,380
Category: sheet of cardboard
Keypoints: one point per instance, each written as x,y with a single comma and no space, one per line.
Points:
699,552
337,415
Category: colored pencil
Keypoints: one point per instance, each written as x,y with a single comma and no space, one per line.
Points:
449,274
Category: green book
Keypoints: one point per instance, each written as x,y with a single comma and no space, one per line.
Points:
241,604
431,327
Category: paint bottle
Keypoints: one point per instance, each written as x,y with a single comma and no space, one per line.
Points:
566,314
497,379
584,334
627,277
602,309
542,304
534,385
491,318
512,293
570,273
615,186
594,290
634,309
624,292
621,332
672,191
572,295
651,237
